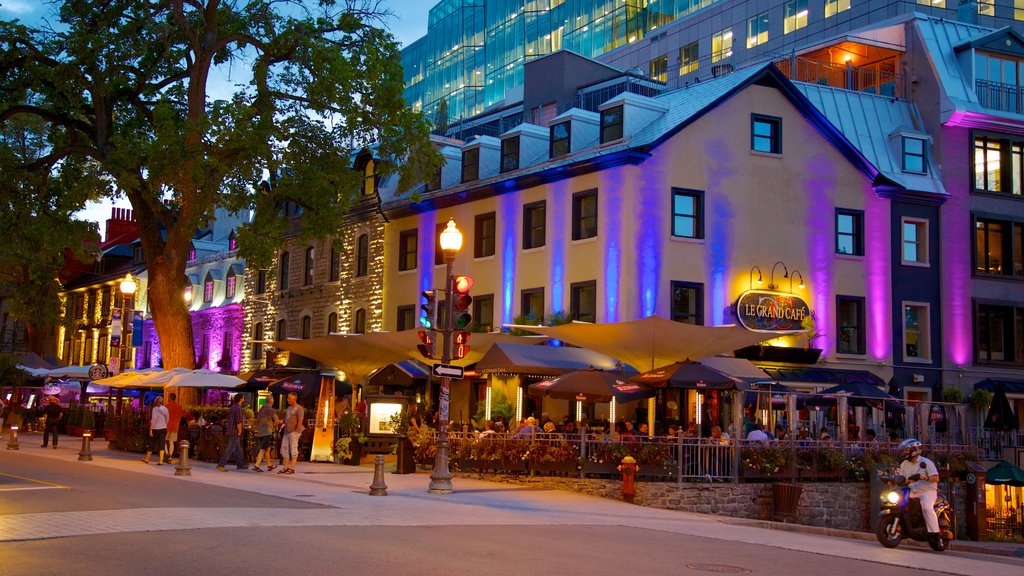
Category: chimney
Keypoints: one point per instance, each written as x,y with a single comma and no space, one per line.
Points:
120,223
967,11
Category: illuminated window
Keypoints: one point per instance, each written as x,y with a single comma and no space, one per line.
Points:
915,241
913,155
363,255
231,285
687,213
584,215
850,325
849,232
283,269
721,45
532,304
534,225
659,69
795,16
689,58
470,164
611,124
369,178
934,3
1018,9
191,254
997,165
916,332
833,7
765,134
999,334
687,302
998,247
509,154
232,241
583,301
757,30
484,235
561,139
987,7
408,243
208,289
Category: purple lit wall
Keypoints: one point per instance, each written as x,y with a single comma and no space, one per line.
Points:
611,187
508,226
956,244
878,274
721,220
223,325
819,188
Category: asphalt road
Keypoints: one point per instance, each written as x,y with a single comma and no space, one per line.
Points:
120,517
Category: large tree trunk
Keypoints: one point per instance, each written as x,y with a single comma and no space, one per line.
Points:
172,321
35,339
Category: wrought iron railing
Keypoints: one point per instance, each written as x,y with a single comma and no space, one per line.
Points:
999,96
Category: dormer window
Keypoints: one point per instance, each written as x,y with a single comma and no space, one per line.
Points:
435,181
561,139
913,155
137,256
509,154
208,289
470,164
232,241
611,124
369,178
192,254
230,285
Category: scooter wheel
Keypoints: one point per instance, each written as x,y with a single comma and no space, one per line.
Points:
888,532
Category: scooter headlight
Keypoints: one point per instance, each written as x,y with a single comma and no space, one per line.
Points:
893,497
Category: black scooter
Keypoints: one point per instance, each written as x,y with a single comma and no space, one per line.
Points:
901,517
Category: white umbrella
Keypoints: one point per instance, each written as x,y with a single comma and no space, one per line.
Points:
131,379
201,378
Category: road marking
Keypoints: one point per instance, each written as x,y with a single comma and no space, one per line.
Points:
34,481
34,488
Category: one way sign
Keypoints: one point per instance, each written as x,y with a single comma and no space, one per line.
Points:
443,370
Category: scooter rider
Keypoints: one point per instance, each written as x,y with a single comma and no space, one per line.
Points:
923,478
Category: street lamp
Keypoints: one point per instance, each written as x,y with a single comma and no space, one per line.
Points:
441,476
128,286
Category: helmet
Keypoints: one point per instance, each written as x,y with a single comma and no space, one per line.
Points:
911,448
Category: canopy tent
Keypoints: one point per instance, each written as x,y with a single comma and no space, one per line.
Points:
1006,474
651,342
360,355
593,385
511,358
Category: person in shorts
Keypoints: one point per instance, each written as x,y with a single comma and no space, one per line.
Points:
293,417
266,418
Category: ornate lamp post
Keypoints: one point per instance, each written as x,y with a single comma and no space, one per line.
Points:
441,477
128,286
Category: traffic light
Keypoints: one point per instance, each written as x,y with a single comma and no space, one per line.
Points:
428,316
461,300
461,345
427,348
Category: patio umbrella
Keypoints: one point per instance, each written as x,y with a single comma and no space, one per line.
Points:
1006,474
130,379
688,375
200,378
1000,415
593,385
776,393
858,393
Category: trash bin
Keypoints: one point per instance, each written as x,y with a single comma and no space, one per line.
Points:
406,460
787,498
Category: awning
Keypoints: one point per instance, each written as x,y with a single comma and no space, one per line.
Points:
739,368
404,373
822,376
1009,386
307,387
542,360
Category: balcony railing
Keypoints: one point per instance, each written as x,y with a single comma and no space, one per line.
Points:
999,96
873,79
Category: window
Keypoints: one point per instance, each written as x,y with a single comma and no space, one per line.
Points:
687,303
334,267
583,301
916,334
913,155
997,165
406,318
208,289
435,181
231,285
105,303
509,154
765,134
471,164
534,215
232,241
282,330
659,69
363,255
935,3
484,235
283,264
999,334
687,213
483,313
757,30
226,350
689,58
307,328
795,16
191,254
915,241
611,124
332,323
1018,9
721,45
833,7
998,247
584,215
986,7
261,281
370,178
850,325
359,327
307,276
80,306
408,242
532,304
849,232
137,255
561,139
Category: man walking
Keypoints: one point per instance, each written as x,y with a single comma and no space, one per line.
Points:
293,417
173,423
236,416
53,414
265,421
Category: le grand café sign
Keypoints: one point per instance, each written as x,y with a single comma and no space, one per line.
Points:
769,311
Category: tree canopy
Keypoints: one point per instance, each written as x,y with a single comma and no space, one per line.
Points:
185,105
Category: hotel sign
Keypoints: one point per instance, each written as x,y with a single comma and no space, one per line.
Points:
775,312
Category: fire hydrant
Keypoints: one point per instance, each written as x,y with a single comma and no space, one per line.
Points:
629,470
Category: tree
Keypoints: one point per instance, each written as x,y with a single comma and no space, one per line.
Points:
124,87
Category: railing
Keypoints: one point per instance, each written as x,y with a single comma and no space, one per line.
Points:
872,79
999,96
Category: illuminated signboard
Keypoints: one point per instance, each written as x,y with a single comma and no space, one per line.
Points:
381,409
775,312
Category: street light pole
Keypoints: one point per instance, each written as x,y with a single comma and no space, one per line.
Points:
128,286
441,476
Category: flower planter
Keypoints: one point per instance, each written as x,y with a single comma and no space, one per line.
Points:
554,468
600,469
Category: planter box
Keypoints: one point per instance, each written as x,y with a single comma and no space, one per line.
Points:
554,468
599,469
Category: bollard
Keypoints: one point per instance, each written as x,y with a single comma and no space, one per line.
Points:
86,452
12,441
378,488
629,470
183,469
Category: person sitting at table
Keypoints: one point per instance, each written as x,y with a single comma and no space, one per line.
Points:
757,434
718,436
691,430
528,429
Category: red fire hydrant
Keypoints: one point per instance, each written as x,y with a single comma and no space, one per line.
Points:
629,470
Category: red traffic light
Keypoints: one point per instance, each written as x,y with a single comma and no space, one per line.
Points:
462,284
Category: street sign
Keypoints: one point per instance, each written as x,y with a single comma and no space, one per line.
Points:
442,370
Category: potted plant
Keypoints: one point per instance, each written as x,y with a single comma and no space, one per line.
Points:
108,425
404,450
350,429
980,400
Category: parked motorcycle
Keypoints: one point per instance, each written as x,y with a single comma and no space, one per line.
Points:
901,517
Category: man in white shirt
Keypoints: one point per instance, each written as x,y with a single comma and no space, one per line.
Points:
757,434
923,478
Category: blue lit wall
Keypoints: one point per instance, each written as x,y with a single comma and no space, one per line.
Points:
559,216
719,230
611,205
509,210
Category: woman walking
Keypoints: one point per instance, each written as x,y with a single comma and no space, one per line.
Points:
158,418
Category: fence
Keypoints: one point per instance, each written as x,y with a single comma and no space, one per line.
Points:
999,96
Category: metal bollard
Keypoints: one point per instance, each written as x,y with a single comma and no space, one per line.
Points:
12,441
378,488
183,469
86,452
